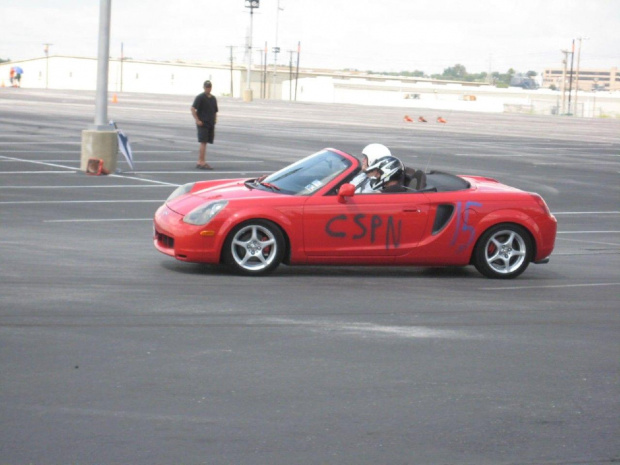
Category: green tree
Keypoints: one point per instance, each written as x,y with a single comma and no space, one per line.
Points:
456,72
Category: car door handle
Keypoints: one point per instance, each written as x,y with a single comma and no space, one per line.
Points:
411,210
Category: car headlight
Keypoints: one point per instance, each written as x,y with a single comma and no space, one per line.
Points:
179,191
205,213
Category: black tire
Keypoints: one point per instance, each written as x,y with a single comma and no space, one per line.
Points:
503,251
254,248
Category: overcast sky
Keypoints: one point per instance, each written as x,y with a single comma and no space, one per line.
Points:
378,35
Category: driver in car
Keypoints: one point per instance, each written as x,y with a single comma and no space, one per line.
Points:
370,154
387,174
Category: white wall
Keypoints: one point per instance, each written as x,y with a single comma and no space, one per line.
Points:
159,78
186,79
448,96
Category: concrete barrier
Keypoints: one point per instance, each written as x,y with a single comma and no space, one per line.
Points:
102,145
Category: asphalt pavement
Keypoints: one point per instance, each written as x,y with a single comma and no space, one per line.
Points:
112,353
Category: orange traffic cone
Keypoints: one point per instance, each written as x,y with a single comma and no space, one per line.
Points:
114,99
441,120
408,119
421,119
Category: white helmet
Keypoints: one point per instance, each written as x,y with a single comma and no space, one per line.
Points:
373,152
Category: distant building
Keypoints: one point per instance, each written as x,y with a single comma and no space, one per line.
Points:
589,79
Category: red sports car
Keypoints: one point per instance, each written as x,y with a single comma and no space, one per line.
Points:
309,214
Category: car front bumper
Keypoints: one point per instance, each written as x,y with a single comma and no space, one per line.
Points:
185,242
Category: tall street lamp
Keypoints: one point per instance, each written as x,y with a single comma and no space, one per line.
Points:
247,94
46,49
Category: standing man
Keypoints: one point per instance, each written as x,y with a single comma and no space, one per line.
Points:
204,111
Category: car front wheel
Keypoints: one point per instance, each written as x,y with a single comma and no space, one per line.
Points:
503,251
254,248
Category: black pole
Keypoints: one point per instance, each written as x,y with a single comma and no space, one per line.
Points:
570,80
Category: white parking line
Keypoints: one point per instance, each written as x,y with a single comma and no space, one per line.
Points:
613,212
55,202
73,168
588,232
100,220
42,143
38,172
371,329
115,186
579,162
196,171
558,286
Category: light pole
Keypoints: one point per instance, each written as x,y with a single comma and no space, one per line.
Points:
276,50
564,62
47,63
251,4
580,39
570,80
100,140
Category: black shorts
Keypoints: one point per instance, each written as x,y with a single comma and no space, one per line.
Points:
206,134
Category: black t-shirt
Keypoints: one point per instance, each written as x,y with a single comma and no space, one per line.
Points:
206,106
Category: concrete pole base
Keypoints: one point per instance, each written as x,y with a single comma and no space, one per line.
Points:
247,95
102,145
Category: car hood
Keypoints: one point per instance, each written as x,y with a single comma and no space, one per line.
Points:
234,190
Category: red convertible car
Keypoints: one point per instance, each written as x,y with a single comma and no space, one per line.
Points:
309,214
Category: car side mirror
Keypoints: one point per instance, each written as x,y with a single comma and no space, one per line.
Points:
346,190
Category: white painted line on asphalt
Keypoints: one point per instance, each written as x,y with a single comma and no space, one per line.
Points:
38,151
196,171
612,212
139,162
73,168
557,286
38,172
115,186
29,142
55,202
366,329
101,220
576,162
35,162
588,232
586,242
485,155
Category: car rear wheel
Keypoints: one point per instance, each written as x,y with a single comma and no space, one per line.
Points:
254,248
503,251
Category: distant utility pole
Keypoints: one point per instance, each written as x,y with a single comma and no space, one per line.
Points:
122,59
262,61
564,62
276,50
265,73
46,49
251,4
290,74
297,72
580,39
231,69
570,80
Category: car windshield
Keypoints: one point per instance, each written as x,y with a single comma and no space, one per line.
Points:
308,175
